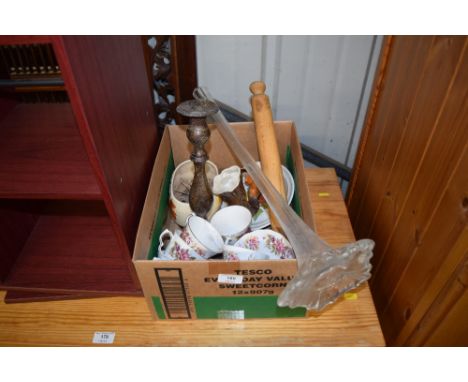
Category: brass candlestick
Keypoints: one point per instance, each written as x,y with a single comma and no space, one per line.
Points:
200,195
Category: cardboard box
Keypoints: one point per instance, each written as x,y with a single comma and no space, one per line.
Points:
190,289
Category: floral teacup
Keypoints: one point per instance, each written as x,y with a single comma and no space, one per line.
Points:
176,249
267,242
233,253
202,236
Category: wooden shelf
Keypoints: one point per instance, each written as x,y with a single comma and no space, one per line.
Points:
73,176
15,296
24,39
42,155
71,254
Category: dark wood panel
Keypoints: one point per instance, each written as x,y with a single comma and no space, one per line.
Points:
438,77
6,105
426,203
42,155
438,316
428,255
15,296
402,168
449,293
408,191
394,105
25,39
185,64
453,331
15,227
71,254
107,83
444,273
393,127
101,148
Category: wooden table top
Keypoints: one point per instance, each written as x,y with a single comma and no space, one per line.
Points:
352,321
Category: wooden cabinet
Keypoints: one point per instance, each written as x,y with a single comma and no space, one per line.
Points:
73,175
409,190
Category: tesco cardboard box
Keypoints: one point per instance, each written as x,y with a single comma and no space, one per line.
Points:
214,289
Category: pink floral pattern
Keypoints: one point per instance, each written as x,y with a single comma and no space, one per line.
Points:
288,254
267,243
252,243
231,256
181,253
279,247
185,236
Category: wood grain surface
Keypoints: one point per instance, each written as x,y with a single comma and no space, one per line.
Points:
15,227
42,155
25,39
71,254
111,99
409,190
349,322
99,147
267,143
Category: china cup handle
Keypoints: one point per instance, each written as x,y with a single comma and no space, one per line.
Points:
229,240
188,217
164,233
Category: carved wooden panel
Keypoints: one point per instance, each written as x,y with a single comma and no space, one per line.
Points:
172,67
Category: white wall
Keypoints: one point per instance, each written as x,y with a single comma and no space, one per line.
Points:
323,83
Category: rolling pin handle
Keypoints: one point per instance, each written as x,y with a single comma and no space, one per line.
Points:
257,88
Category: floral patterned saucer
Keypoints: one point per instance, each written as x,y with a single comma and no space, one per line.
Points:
267,242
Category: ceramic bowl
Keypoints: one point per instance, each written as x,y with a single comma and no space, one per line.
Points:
232,222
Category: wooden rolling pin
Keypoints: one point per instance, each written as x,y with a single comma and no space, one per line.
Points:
266,141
